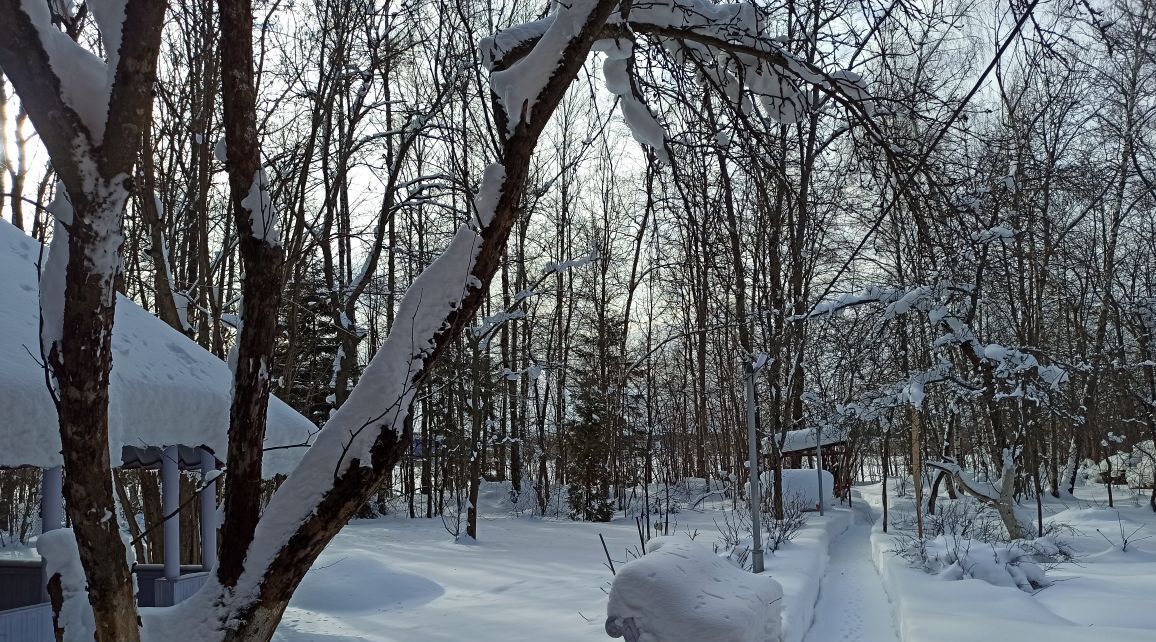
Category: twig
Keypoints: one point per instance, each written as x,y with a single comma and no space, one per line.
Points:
609,561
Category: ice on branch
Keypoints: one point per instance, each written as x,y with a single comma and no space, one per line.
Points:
565,266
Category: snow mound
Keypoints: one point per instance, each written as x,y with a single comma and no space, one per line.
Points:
355,581
680,591
801,486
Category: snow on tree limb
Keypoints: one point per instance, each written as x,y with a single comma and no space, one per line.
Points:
725,41
965,481
262,213
89,114
518,87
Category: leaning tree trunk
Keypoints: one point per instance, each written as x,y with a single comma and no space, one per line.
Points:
371,431
1003,502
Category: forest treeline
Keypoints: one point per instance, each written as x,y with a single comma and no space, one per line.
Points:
962,273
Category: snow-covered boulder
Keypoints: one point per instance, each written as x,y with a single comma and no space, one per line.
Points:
681,591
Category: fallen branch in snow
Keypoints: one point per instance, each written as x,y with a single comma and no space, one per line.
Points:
1003,502
965,482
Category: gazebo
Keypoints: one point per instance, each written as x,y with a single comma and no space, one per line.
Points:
804,443
169,409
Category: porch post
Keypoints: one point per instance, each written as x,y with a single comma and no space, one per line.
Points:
51,498
819,462
208,511
170,503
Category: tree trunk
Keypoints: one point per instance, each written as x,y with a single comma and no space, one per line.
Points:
261,256
79,296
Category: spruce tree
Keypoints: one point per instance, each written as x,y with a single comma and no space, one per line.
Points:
590,433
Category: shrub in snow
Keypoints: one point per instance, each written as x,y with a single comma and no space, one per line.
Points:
965,518
966,539
781,531
735,529
1012,564
682,592
1124,535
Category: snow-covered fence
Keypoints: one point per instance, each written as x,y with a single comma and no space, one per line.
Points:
681,591
170,592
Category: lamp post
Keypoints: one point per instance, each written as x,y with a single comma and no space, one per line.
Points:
753,468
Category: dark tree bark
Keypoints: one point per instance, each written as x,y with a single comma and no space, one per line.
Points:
259,612
262,258
79,359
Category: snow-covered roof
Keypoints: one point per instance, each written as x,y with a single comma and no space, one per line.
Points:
165,389
805,439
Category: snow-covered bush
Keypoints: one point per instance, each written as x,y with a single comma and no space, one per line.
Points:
967,539
735,529
682,592
1136,467
1016,563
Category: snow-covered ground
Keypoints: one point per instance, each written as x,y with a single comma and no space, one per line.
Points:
799,566
1105,593
402,579
394,579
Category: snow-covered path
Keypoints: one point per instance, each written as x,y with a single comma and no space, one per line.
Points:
852,603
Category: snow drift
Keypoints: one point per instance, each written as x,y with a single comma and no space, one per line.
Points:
680,591
800,486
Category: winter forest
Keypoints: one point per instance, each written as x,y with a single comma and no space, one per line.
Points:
662,320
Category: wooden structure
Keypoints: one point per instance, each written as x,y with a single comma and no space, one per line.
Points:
802,445
168,410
